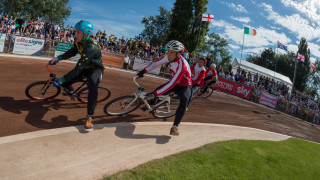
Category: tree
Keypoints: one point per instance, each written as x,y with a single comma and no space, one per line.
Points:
215,48
185,23
156,27
303,68
54,10
313,85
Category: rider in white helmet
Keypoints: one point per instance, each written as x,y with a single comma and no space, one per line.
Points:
180,82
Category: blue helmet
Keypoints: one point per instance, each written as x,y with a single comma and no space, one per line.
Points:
84,26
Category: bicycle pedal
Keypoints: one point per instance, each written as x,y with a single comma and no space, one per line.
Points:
73,97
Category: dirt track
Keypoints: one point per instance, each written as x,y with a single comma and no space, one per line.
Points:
19,114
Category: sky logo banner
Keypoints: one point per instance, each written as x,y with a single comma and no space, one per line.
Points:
28,46
2,40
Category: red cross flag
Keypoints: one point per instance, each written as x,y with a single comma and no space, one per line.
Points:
207,17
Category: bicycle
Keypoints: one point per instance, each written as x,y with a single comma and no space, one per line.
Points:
43,90
197,92
165,105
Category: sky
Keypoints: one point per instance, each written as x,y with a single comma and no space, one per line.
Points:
286,21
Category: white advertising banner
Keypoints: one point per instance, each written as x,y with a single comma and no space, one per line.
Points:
28,46
2,40
140,64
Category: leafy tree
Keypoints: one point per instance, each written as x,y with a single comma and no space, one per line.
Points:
54,10
156,27
215,47
185,23
313,86
303,68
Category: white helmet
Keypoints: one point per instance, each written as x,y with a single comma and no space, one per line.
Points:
175,46
213,65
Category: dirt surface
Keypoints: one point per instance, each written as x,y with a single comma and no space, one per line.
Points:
20,114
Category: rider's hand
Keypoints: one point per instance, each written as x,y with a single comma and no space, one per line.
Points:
150,96
56,83
54,61
141,73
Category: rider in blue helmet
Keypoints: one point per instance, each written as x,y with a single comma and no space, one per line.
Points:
89,66
86,27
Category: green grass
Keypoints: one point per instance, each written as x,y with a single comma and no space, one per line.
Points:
239,159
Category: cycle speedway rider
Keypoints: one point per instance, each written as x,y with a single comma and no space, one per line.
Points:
198,73
180,82
210,77
89,66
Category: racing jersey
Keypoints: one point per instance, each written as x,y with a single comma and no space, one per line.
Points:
212,73
198,74
91,58
180,73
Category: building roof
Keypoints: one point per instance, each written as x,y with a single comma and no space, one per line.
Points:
267,72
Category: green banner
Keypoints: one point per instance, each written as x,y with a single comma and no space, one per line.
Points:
63,46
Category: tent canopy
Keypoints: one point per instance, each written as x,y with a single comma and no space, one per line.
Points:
266,72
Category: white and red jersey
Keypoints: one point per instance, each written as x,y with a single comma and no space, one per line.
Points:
212,73
198,74
180,73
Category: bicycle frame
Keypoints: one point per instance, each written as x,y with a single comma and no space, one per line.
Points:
142,96
53,77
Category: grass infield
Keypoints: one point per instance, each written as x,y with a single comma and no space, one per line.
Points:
238,159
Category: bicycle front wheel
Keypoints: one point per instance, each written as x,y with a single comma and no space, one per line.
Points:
121,105
103,94
166,109
42,91
208,92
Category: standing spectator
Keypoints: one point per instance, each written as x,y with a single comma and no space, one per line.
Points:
126,62
230,68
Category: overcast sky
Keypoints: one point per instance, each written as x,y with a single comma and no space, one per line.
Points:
275,20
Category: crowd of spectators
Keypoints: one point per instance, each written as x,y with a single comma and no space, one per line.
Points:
36,28
53,32
298,103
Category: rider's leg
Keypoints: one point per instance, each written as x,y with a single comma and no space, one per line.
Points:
184,93
94,77
68,84
206,86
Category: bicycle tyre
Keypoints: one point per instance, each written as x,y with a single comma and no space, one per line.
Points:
37,87
103,94
174,104
123,100
208,92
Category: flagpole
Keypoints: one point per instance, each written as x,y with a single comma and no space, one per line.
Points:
200,30
294,75
242,47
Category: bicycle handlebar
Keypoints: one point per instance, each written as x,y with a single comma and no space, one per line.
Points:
47,66
135,81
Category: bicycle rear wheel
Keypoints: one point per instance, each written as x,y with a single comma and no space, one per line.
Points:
41,91
103,94
208,92
122,105
166,110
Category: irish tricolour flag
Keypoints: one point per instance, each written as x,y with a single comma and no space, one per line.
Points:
247,30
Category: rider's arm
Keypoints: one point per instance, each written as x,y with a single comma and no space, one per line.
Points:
201,76
181,71
70,53
156,64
